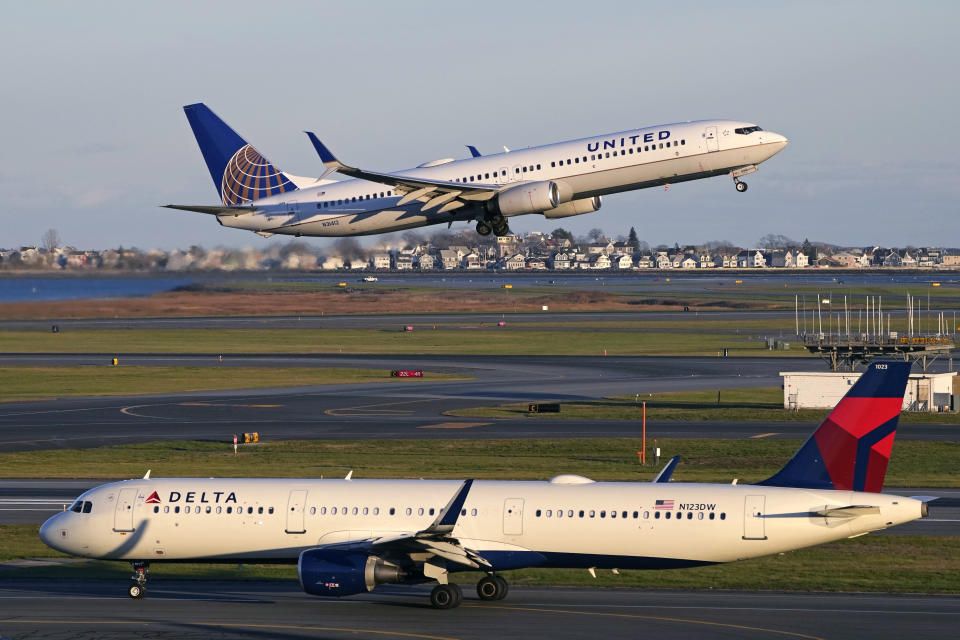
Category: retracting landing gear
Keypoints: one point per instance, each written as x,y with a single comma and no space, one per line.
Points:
446,596
496,224
138,584
492,587
741,186
736,174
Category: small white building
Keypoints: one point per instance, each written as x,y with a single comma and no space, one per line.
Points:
823,390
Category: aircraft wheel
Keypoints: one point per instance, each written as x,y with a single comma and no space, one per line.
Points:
502,230
136,591
446,596
488,588
483,228
741,186
504,588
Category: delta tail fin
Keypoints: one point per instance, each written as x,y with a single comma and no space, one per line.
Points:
850,450
240,173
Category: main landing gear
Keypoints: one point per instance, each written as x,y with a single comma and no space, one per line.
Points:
492,587
496,224
138,581
446,596
741,186
449,596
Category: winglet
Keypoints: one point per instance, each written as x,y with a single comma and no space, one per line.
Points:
447,518
473,151
667,471
146,476
326,157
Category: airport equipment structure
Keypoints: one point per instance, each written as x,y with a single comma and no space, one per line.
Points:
857,335
925,392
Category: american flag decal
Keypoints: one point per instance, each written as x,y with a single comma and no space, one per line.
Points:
663,504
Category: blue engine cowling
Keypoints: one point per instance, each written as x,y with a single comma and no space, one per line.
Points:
330,572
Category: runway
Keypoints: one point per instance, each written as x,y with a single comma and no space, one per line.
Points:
184,610
401,409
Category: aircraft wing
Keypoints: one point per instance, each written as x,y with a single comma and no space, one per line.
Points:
433,193
435,539
214,211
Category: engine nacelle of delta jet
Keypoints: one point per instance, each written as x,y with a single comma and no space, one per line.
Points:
329,572
530,197
573,208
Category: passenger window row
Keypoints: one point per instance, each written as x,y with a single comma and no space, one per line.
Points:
369,196
212,509
621,152
623,515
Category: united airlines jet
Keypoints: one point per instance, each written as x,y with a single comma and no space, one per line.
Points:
348,536
557,180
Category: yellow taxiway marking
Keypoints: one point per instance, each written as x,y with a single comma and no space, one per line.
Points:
454,425
241,625
764,435
218,404
366,410
706,623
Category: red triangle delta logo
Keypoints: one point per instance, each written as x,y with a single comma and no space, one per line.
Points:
153,499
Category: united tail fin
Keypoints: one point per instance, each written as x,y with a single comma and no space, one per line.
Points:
850,450
240,173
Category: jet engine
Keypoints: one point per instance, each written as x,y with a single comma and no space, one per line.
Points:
573,208
530,197
329,572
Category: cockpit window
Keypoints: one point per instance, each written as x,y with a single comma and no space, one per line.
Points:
87,506
81,506
747,130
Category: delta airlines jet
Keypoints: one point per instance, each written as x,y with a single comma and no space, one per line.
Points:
556,180
348,536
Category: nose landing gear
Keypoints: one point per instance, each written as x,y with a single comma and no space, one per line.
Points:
741,186
138,584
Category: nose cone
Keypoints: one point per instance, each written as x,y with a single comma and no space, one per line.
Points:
51,535
775,141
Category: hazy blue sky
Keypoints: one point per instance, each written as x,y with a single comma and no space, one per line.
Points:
93,136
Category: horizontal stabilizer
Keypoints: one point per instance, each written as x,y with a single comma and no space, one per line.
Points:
213,211
667,471
851,511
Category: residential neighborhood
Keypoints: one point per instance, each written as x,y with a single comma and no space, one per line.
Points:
533,251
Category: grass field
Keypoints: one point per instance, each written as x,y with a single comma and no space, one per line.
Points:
35,383
889,564
933,464
423,340
757,404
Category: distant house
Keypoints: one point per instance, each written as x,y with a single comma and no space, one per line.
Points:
600,261
516,262
381,261
622,261
426,262
689,262
536,263
472,261
801,260
664,262
751,259
645,261
561,260
404,261
449,259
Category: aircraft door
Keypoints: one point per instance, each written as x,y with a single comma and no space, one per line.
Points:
711,137
295,517
754,527
123,516
513,516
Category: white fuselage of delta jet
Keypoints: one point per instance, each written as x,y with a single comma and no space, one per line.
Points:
567,522
582,169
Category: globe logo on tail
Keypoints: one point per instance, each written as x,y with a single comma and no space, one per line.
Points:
249,176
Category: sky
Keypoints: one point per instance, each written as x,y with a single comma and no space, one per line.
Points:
94,138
